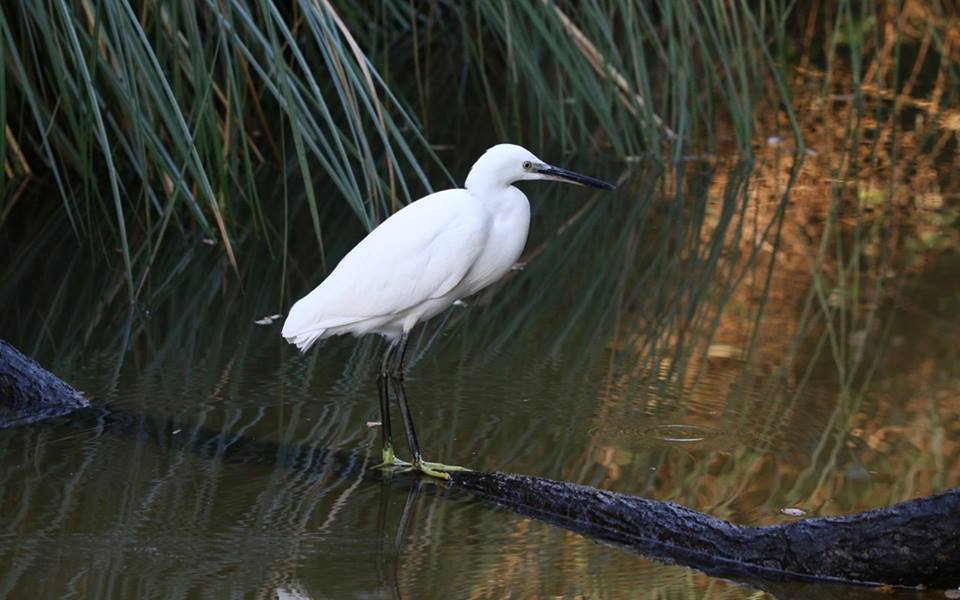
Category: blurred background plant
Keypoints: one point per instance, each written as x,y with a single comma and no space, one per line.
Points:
132,121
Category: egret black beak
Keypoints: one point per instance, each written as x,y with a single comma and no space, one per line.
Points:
559,174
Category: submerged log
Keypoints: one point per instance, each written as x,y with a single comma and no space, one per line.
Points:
913,543
29,393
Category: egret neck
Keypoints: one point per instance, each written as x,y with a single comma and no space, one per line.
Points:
509,212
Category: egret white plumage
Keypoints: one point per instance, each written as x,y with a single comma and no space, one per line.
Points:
417,263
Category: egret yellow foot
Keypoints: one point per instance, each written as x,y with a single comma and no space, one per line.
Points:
438,470
390,461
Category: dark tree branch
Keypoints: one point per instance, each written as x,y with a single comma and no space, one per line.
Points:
909,544
30,393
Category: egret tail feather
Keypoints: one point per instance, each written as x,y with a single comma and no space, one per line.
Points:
303,340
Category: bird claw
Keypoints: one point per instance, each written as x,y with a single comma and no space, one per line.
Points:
434,472
438,470
443,467
391,462
395,465
398,465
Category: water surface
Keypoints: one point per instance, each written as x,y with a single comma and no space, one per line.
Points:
747,338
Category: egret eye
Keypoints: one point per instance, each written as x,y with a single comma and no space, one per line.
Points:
527,165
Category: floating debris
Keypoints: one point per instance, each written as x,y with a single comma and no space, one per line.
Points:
267,320
793,512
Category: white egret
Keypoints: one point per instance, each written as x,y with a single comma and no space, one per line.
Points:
417,263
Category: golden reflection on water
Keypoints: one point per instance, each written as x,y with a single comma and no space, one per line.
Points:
850,355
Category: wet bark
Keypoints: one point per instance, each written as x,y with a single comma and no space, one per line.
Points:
914,543
30,393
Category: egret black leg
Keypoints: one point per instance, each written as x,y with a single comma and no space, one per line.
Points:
382,389
396,366
401,395
396,380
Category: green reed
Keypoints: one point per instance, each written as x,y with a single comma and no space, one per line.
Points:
150,120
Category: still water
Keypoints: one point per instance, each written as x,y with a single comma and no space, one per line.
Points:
741,338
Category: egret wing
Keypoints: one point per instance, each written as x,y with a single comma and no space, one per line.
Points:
421,252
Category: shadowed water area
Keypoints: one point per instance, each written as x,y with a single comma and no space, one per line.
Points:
760,338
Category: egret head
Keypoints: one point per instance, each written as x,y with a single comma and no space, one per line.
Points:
504,164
